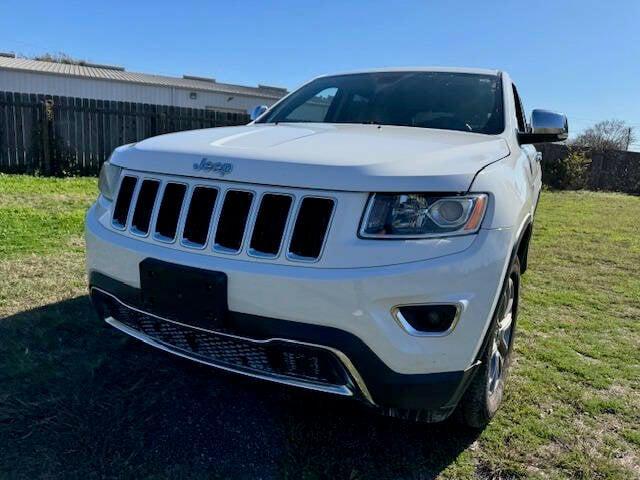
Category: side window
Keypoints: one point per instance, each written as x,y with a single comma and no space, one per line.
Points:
315,109
522,122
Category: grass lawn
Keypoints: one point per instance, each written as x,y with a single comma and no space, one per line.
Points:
79,400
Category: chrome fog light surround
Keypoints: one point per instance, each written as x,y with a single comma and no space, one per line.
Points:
396,312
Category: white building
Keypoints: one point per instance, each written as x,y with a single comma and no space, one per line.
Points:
104,82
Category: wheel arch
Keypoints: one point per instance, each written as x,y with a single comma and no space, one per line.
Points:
522,250
524,235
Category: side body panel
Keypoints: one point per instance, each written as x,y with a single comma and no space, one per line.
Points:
514,184
514,181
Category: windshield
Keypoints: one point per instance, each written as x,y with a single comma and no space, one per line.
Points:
443,100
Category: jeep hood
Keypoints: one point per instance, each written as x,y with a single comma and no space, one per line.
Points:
325,156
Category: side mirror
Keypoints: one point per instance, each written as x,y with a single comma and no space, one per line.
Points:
546,126
259,110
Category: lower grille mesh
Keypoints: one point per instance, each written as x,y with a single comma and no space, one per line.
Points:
299,362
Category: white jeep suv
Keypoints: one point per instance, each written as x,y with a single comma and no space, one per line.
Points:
365,237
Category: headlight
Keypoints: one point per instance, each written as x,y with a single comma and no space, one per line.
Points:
421,215
108,181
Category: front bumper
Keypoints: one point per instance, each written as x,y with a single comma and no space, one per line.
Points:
345,310
315,367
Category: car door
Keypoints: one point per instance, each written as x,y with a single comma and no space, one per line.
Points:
534,157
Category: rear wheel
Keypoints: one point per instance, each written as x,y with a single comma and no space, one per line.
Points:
484,395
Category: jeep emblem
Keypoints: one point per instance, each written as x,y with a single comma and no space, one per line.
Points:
216,167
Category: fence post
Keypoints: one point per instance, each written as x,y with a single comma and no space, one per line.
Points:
47,127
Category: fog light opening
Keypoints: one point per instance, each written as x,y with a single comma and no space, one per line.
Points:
427,320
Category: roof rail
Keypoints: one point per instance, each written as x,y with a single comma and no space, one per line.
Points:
275,89
102,65
201,79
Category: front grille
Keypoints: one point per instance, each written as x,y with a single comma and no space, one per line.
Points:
276,358
223,219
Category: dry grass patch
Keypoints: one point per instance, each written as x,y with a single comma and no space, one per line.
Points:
33,280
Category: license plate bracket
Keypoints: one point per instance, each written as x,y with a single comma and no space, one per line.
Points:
189,295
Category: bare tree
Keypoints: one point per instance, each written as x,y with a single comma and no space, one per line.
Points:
606,135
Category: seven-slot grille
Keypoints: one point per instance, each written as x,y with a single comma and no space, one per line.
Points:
226,220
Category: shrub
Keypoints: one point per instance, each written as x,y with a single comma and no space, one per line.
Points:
568,173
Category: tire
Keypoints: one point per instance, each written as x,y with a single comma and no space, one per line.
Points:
484,394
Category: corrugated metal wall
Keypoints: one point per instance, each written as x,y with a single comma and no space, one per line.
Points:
41,83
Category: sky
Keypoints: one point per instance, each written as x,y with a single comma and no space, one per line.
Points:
579,57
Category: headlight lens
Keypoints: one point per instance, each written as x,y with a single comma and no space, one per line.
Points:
421,215
108,181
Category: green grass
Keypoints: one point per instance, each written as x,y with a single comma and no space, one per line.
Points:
78,400
40,216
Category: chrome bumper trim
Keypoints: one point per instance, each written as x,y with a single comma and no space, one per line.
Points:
343,390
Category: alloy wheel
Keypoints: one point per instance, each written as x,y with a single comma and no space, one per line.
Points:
502,339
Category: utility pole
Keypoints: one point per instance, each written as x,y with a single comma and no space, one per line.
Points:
628,138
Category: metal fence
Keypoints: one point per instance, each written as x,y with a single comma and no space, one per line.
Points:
52,135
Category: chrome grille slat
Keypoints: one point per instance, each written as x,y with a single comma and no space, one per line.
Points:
215,216
134,200
269,242
156,207
186,200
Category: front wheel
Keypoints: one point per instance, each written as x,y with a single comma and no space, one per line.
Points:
484,395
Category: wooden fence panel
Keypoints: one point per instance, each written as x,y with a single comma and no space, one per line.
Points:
25,124
73,140
11,132
4,147
19,130
52,135
56,124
